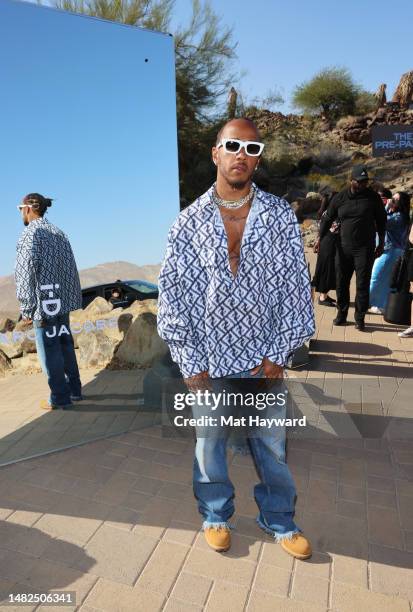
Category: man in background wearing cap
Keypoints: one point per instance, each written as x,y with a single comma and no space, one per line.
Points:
361,214
48,289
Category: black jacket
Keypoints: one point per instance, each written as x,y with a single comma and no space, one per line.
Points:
361,215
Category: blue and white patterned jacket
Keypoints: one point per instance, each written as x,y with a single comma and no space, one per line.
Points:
47,280
214,321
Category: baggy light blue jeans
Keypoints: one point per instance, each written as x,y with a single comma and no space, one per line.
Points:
381,277
275,494
56,354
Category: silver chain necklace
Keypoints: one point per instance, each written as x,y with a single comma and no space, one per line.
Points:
232,204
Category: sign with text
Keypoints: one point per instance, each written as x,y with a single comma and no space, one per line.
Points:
391,139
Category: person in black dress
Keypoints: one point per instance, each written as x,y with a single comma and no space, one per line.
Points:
324,279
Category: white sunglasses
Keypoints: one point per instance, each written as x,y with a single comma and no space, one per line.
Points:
21,206
233,145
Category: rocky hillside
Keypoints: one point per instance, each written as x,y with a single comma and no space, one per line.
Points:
311,154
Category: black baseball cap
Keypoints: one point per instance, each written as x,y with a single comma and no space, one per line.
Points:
359,173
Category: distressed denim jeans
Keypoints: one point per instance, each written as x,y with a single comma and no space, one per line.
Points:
381,277
275,492
56,354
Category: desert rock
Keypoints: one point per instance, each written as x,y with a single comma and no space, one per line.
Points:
28,364
20,341
142,345
95,349
98,306
306,207
5,363
6,325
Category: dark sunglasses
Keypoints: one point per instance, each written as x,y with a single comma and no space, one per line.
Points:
233,145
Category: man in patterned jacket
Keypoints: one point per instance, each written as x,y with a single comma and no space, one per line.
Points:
235,302
48,289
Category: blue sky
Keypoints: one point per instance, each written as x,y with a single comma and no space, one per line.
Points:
108,158
282,43
84,119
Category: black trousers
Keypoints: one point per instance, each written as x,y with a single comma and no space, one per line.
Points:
348,260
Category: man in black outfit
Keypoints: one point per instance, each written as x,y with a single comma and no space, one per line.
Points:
361,214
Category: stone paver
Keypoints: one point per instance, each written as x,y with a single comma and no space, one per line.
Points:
27,431
115,519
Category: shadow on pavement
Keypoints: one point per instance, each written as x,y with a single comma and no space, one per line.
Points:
25,569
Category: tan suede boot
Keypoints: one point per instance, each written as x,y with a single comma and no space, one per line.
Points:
218,539
298,546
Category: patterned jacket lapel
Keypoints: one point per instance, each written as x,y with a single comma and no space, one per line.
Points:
257,231
211,235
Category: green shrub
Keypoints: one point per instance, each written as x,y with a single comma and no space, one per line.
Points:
365,103
331,91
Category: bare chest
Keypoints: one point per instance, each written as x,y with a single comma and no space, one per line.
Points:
234,227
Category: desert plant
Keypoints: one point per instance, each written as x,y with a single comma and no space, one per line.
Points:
144,13
331,91
270,101
279,158
319,183
366,102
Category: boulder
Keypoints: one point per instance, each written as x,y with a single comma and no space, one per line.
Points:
20,341
356,122
358,135
6,325
100,331
28,346
12,350
98,306
104,337
142,306
85,323
125,321
112,324
5,363
141,345
28,364
306,207
380,115
96,349
116,312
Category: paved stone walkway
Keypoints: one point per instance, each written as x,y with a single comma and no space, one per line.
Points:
110,407
115,520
